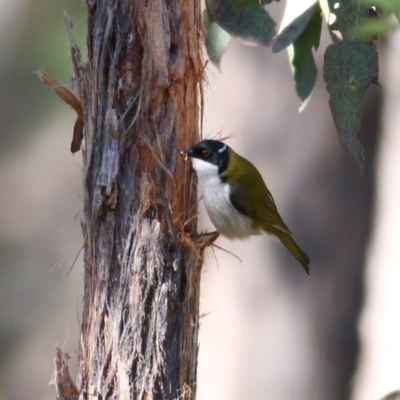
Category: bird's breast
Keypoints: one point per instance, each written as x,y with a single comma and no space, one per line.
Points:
226,218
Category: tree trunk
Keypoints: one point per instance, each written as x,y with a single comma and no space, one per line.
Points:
140,90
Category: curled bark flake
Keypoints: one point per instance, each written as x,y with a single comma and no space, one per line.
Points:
69,98
77,135
65,387
62,92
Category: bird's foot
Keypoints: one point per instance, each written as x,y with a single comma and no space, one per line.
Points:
206,239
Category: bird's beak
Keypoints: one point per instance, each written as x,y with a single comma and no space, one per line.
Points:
187,153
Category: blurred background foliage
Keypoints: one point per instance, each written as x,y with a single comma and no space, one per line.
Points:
269,331
39,237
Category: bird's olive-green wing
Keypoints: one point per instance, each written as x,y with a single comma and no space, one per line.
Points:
260,207
250,196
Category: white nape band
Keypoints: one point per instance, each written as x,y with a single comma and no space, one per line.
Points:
222,149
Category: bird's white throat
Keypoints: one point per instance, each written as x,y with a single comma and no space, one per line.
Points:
204,169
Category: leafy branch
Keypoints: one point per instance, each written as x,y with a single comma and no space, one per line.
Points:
350,62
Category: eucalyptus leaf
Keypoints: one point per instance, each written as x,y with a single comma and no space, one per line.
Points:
244,19
217,40
304,68
349,68
295,28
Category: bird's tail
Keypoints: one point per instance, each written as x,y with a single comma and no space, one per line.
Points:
299,254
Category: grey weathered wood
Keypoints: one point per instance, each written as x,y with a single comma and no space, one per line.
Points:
140,91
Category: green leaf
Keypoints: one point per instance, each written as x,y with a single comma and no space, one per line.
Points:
349,68
244,19
217,40
304,68
296,27
301,31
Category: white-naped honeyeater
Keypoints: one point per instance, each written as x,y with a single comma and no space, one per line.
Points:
236,197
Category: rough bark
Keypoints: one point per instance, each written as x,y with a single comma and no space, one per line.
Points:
140,91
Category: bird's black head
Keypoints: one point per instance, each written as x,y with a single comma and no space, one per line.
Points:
212,151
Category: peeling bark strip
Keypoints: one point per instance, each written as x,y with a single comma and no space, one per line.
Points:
67,97
140,92
65,387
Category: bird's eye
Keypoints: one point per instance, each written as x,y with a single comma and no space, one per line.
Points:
205,152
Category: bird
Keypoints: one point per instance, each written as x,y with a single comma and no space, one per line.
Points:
236,197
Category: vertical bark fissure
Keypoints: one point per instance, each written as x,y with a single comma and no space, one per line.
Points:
140,91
